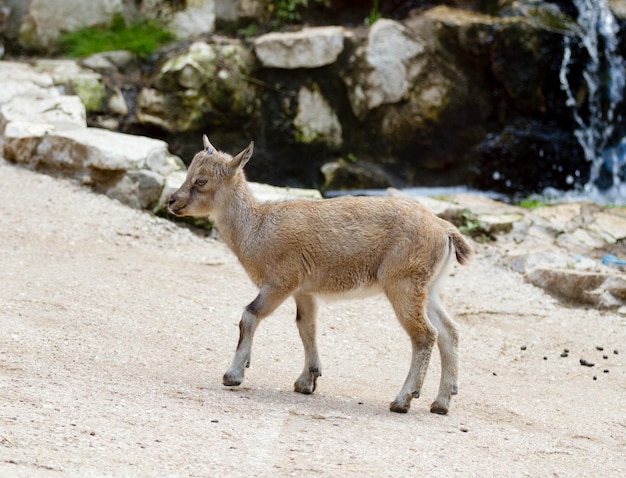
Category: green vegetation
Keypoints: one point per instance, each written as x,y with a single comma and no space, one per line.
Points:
141,38
287,11
250,31
374,14
468,225
530,203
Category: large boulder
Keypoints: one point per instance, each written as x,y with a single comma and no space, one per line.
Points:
603,290
382,69
130,168
205,83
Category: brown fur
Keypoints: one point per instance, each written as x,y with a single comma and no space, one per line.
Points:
334,247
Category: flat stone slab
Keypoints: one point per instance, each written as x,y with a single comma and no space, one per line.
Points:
602,290
19,78
307,48
108,150
63,112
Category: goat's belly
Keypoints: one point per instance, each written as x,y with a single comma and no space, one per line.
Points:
356,293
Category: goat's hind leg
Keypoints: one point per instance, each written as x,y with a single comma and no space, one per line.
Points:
265,303
448,344
305,320
409,303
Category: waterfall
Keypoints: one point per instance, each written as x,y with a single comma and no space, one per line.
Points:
604,80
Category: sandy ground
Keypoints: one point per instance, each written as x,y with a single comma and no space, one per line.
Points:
116,327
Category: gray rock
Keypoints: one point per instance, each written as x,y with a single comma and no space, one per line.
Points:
109,61
597,289
383,69
139,189
72,79
315,120
234,10
205,79
307,48
97,148
117,103
63,112
609,225
20,140
19,78
498,223
266,192
198,18
342,175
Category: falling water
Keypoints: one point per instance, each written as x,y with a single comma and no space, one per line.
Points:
604,80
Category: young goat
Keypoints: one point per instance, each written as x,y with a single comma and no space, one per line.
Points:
331,247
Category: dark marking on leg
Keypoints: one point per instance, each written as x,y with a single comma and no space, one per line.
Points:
253,307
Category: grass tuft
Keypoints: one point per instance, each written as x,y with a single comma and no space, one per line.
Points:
141,38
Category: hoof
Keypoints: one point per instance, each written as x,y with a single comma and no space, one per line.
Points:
305,385
304,388
439,409
398,407
231,381
394,407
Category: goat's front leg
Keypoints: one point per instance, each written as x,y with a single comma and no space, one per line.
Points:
305,320
265,303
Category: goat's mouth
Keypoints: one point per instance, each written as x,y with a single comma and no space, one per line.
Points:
177,210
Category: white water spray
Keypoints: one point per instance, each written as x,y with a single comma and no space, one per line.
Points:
605,80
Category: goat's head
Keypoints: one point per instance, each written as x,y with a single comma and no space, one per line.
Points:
210,172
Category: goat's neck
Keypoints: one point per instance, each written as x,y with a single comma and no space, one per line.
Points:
237,218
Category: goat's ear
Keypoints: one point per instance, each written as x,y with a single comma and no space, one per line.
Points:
209,148
239,161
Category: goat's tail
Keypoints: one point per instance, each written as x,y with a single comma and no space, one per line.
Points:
462,248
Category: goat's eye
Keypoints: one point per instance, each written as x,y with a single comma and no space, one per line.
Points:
200,182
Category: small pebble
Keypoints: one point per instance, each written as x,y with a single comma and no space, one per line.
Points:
564,354
545,358
585,363
566,351
606,370
523,347
598,347
464,430
615,352
595,378
605,357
